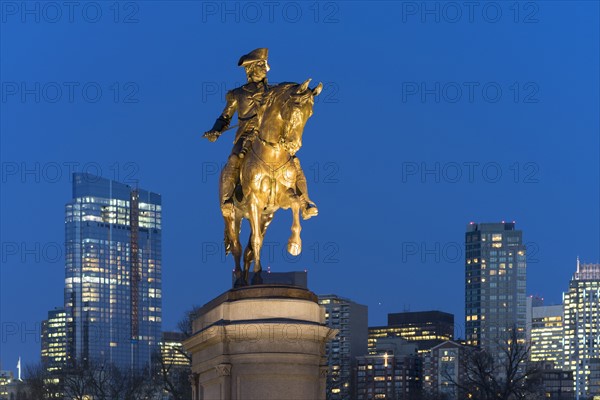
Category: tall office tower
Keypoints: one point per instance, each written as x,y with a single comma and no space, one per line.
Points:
547,335
113,273
582,329
425,328
495,284
351,319
54,340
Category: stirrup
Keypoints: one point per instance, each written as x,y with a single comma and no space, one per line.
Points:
243,152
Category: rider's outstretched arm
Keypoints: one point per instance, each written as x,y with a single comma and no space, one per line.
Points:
222,123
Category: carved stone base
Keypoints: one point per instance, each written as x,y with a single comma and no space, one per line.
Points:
261,342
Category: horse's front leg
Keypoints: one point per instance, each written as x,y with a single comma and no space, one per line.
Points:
294,246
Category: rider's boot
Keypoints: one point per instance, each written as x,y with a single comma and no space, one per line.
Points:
229,179
309,209
247,143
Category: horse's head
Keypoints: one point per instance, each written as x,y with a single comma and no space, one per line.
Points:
295,112
288,107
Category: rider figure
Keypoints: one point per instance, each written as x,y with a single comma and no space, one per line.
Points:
247,101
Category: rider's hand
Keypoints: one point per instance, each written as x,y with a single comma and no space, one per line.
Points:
212,136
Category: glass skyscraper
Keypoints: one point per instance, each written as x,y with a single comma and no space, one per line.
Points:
495,284
582,329
113,299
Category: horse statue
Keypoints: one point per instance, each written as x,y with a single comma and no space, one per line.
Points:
268,176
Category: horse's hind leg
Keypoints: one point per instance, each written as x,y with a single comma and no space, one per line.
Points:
248,256
294,246
256,237
232,232
266,220
248,253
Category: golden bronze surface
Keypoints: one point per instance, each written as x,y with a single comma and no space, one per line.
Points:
263,173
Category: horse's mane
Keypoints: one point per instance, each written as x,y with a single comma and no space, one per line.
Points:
277,91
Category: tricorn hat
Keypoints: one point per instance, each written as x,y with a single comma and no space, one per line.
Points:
254,55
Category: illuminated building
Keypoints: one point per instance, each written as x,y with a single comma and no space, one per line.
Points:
582,329
531,301
54,340
6,377
54,351
393,371
444,370
113,292
351,319
557,383
172,351
547,335
175,363
426,328
495,284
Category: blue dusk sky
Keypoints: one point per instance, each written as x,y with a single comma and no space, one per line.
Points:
433,115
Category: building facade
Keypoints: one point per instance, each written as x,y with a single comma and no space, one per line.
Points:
557,383
495,284
6,377
393,371
582,329
351,319
547,335
425,328
113,298
172,353
444,371
54,340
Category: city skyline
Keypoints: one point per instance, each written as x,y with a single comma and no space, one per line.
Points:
413,162
490,249
458,327
95,179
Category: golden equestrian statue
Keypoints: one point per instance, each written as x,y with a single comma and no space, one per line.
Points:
263,173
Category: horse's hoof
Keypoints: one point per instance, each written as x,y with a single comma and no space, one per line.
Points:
257,279
294,248
239,283
240,279
310,211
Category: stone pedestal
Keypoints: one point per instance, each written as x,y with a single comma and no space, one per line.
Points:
261,342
